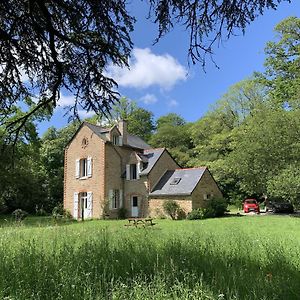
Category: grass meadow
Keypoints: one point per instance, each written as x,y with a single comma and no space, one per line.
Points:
226,258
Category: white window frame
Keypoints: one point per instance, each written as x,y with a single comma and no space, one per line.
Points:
84,168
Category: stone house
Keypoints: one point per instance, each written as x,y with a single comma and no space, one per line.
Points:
108,169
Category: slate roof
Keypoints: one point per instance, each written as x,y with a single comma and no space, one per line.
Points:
189,179
136,142
132,140
97,130
152,155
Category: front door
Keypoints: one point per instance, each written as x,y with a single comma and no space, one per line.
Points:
134,206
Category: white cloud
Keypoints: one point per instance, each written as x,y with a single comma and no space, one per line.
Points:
173,103
148,69
65,100
69,100
84,114
149,99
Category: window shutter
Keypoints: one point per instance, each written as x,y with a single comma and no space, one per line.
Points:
120,141
138,171
75,206
127,172
140,167
89,204
77,168
110,198
121,199
205,196
89,167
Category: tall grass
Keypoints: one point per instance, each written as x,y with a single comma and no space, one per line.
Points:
228,258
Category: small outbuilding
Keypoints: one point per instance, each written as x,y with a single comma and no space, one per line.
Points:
190,188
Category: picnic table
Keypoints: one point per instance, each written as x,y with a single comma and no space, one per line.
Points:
140,222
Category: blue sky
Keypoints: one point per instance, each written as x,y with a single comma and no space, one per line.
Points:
160,79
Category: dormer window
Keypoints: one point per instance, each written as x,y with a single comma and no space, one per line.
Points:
117,140
175,181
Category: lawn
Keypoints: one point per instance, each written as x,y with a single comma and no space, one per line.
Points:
228,258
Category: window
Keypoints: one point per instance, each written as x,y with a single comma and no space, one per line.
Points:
175,181
116,199
83,199
207,196
115,140
133,171
83,167
134,201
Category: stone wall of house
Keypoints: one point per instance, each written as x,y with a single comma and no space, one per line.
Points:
206,186
95,183
156,205
136,188
116,160
164,163
113,175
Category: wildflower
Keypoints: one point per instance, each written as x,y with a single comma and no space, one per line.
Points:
269,276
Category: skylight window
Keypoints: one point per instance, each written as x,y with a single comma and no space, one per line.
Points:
175,181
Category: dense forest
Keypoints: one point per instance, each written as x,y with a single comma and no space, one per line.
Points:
250,138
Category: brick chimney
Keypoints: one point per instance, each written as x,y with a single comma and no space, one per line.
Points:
122,125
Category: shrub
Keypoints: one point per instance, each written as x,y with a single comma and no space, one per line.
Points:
39,211
122,213
216,207
59,212
170,208
196,214
19,214
181,215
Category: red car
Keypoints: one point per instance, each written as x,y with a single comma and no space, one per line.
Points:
251,205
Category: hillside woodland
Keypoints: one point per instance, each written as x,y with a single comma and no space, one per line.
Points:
250,138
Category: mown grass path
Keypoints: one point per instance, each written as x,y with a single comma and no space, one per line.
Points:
226,258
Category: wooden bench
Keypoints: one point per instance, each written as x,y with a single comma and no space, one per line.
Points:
137,222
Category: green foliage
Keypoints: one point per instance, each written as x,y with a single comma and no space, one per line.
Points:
282,64
173,134
286,184
170,119
181,214
171,208
19,215
196,214
122,213
215,207
59,212
139,120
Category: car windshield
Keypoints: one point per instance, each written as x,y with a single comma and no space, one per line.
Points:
250,201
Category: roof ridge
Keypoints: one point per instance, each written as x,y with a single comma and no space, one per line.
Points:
194,168
148,150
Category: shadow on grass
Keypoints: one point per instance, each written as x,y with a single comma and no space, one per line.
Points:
33,221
